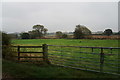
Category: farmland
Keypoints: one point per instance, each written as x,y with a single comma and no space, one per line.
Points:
68,56
27,71
84,57
68,42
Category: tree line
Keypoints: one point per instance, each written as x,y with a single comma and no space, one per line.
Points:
80,31
38,32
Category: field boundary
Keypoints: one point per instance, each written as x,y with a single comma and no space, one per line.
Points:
44,52
101,58
60,54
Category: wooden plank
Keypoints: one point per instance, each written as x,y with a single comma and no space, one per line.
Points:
30,57
29,61
30,52
30,46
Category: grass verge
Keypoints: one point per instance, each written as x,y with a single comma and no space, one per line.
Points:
28,70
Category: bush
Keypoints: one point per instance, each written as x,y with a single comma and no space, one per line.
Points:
6,40
7,52
25,36
64,36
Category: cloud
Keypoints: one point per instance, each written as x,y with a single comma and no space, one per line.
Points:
59,16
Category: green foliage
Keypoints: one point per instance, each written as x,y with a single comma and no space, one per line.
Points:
81,31
25,35
59,34
7,52
78,34
45,31
108,32
6,40
64,35
33,34
39,30
38,27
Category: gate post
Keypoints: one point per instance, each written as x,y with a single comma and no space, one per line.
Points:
18,53
45,53
101,60
119,61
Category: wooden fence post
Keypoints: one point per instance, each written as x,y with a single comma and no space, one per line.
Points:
18,53
92,49
118,61
45,53
101,60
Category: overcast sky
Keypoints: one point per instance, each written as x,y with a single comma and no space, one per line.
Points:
60,16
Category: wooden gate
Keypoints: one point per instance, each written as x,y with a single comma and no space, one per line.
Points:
44,52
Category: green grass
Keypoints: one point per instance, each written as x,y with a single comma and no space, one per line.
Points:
74,42
70,57
25,70
73,53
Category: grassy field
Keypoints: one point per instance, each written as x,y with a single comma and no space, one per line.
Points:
72,57
27,70
68,42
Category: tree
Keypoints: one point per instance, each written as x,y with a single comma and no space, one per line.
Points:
39,29
33,34
64,35
25,35
108,32
45,31
59,34
81,31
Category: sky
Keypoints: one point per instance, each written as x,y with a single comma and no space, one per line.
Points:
59,16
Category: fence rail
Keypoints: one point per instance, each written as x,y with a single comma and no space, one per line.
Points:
87,47
29,46
44,52
107,59
98,59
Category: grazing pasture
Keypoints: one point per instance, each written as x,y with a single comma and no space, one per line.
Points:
84,58
15,70
68,42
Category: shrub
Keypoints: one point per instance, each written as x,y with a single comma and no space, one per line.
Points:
64,35
7,52
6,40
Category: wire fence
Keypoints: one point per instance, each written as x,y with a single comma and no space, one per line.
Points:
98,59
